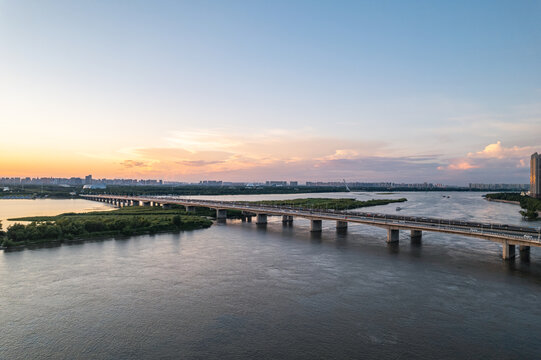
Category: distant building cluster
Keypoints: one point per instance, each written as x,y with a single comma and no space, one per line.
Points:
387,185
491,187
88,182
275,183
211,182
247,184
76,181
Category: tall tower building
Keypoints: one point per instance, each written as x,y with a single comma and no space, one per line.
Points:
88,180
535,173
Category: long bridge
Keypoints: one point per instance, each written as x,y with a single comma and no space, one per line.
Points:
509,236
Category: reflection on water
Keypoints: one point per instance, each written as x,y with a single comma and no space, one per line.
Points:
238,290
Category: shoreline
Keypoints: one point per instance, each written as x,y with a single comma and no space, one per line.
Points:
503,201
102,237
508,202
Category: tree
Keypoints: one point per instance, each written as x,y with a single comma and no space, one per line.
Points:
177,221
530,214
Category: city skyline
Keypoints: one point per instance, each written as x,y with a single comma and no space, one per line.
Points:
444,93
89,180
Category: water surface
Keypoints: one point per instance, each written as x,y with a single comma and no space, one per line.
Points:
238,290
13,208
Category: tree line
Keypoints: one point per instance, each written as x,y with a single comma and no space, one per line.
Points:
530,206
80,226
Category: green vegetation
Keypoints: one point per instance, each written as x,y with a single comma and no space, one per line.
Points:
126,221
505,196
211,190
67,192
326,203
530,206
2,233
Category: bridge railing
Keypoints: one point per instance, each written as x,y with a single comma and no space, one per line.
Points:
527,233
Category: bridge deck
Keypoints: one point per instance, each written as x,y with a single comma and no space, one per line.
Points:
503,233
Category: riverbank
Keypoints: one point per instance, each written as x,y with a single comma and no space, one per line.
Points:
504,201
531,206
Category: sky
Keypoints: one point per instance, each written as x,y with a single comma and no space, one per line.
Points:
400,91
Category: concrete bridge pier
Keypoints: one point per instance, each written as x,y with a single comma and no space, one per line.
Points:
261,219
221,214
341,225
524,251
190,208
287,219
316,225
416,235
144,203
508,251
392,235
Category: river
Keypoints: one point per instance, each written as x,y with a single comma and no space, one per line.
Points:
13,208
238,290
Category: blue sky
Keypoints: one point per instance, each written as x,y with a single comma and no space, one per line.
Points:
247,90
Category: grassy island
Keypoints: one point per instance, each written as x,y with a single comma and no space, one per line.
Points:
531,206
327,203
125,221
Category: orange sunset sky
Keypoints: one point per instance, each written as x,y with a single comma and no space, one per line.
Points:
245,92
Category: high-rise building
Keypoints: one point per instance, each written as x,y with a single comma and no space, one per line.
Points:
88,180
535,173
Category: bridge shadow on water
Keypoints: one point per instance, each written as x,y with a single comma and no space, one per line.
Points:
453,253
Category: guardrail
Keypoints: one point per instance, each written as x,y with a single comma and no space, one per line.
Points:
467,228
